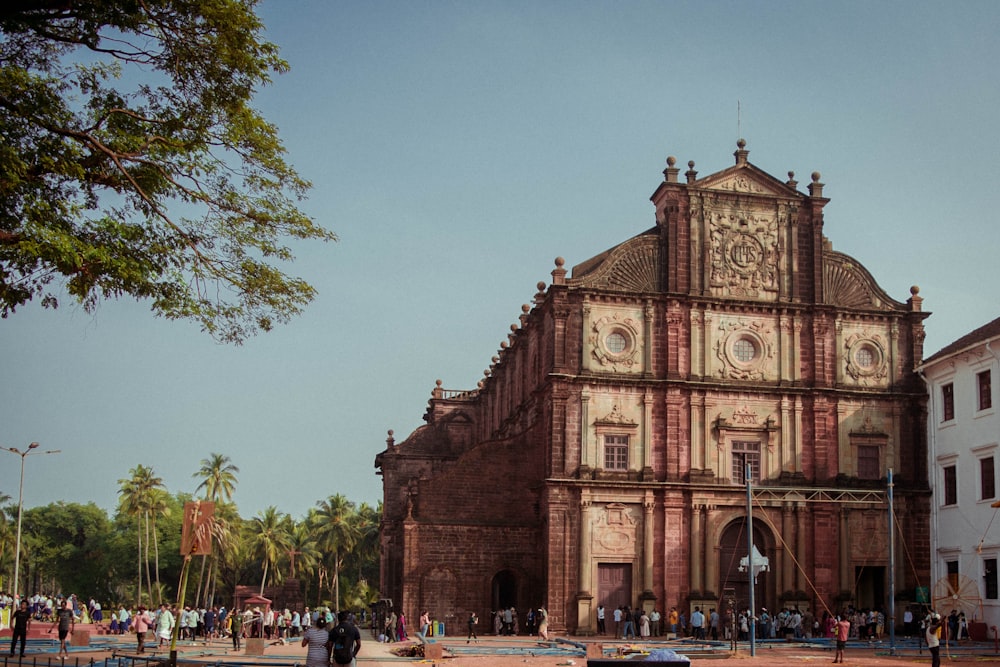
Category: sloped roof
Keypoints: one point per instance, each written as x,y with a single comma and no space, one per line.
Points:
980,335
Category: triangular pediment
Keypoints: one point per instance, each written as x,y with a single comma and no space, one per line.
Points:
747,179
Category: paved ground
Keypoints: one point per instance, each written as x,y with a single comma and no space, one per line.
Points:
511,652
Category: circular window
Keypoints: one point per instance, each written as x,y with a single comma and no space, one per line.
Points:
616,342
865,357
744,350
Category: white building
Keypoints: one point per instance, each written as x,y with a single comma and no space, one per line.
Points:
964,434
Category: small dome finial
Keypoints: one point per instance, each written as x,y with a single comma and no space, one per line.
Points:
915,290
741,143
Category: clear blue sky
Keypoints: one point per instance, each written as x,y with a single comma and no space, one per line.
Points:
457,148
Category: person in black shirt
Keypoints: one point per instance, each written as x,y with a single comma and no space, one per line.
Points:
67,621
19,621
344,640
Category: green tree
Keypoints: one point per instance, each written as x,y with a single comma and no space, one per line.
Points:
218,475
136,497
133,163
337,534
68,544
270,539
218,480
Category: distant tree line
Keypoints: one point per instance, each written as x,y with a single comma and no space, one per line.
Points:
134,556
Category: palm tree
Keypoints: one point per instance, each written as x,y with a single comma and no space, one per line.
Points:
270,539
225,528
137,497
218,479
159,505
367,547
218,476
336,533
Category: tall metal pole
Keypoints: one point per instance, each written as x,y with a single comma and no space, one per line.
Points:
751,621
20,509
892,572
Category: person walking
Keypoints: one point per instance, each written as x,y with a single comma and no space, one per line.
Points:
843,631
543,623
66,620
934,640
473,620
236,628
141,624
317,642
19,622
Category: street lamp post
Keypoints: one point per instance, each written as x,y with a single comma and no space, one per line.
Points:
20,506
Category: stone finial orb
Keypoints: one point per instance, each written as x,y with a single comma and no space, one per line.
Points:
816,176
690,164
791,175
391,433
438,382
671,160
513,328
915,290
559,262
494,358
540,286
741,144
525,308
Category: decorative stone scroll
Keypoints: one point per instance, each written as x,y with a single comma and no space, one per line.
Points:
615,530
744,253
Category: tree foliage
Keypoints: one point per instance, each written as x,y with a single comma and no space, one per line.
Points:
132,162
333,550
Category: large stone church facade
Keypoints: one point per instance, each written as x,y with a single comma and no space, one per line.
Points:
603,459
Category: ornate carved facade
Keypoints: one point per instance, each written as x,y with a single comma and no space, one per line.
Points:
602,460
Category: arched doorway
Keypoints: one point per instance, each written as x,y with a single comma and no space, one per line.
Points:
733,548
504,590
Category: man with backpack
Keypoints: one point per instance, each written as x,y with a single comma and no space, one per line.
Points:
345,640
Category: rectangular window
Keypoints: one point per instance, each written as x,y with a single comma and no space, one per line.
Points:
950,485
947,402
952,568
745,453
869,466
987,479
990,579
616,452
985,391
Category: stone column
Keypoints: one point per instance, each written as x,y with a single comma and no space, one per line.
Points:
697,546
804,517
647,435
711,578
584,598
586,464
585,333
649,313
699,444
786,437
788,565
846,577
707,345
647,542
797,442
586,546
